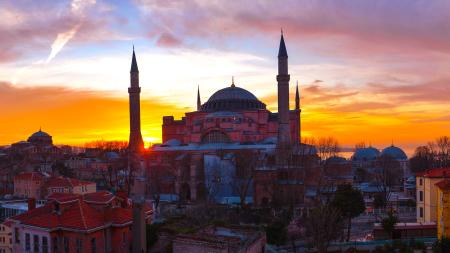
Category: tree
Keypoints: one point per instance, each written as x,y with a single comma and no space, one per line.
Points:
327,147
360,144
436,154
323,226
389,222
422,159
245,162
62,169
113,145
442,245
443,151
388,176
276,233
350,202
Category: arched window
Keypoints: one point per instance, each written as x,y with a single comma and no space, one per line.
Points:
215,137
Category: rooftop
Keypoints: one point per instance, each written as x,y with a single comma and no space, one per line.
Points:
73,212
435,173
66,182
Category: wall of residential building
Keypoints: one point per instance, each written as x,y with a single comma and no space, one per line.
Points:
5,239
194,246
200,246
28,188
20,242
83,189
443,213
121,238
79,242
426,199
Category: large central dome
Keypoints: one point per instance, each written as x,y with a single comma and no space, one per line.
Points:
232,98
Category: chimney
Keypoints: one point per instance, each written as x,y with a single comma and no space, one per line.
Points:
31,204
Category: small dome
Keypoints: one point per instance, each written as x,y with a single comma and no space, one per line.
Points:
394,152
112,155
365,154
336,160
232,98
172,143
40,134
270,140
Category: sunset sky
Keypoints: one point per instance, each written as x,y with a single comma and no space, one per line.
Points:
373,71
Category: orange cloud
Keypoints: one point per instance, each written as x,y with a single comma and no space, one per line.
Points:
74,116
376,115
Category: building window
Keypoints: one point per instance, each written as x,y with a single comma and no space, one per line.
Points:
27,242
44,244
66,245
55,245
79,245
36,243
420,182
215,137
93,245
17,235
421,212
420,195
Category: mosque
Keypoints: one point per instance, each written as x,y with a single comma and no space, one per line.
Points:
231,115
231,120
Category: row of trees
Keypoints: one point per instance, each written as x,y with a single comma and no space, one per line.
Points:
436,154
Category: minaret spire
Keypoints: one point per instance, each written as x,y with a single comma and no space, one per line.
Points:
282,52
199,103
284,135
232,82
134,66
297,98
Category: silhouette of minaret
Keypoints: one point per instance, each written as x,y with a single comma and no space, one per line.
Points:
298,111
283,97
135,142
199,103
135,147
297,98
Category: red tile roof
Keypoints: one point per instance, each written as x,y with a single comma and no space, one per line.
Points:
102,197
65,182
7,223
77,213
435,173
120,216
63,197
444,184
73,215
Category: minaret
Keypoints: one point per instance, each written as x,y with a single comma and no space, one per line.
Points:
298,111
199,103
135,142
283,97
135,147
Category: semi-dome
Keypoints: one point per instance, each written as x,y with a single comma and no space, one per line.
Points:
232,98
365,154
394,152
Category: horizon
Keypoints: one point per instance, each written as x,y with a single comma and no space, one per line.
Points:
361,77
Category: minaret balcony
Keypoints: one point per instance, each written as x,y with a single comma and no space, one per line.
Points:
283,78
134,90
